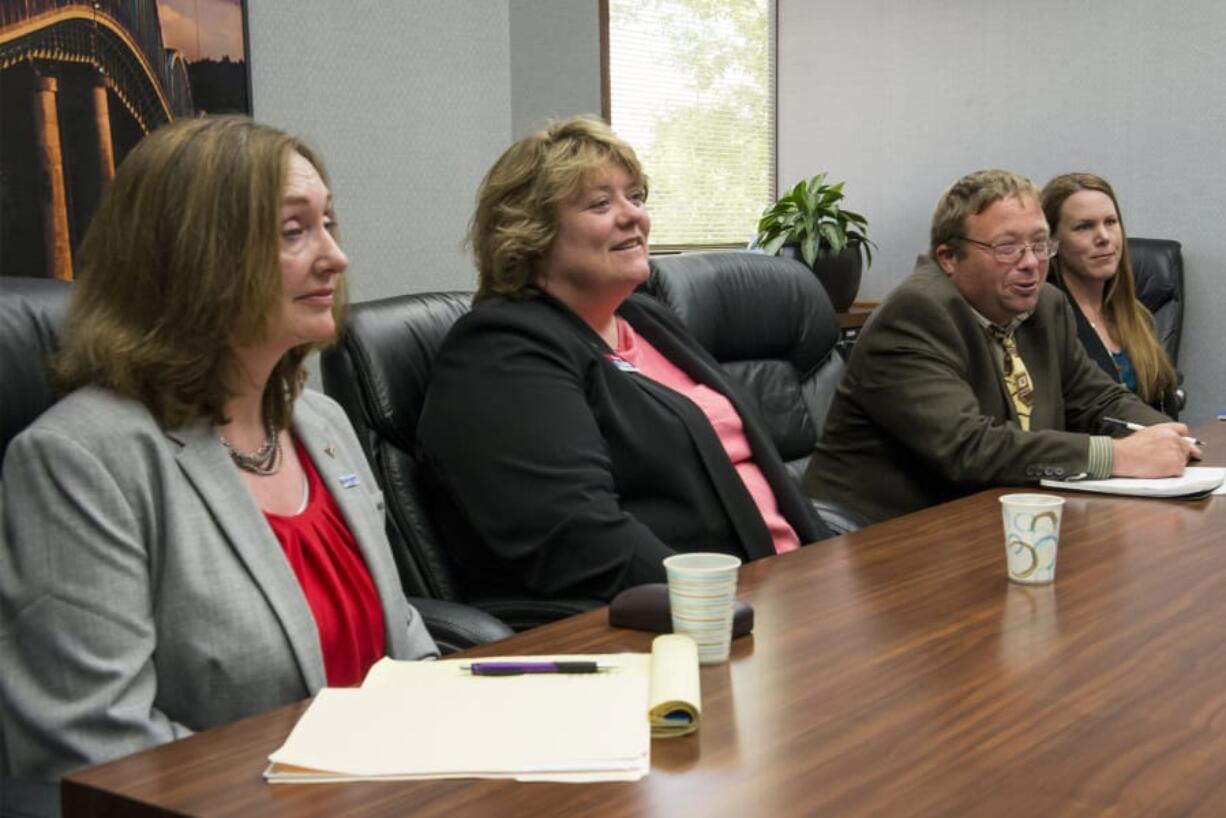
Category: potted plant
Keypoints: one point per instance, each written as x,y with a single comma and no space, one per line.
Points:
808,223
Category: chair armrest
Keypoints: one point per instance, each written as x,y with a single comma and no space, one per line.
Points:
839,519
1173,402
522,613
455,626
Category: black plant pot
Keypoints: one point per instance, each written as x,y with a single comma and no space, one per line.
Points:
839,273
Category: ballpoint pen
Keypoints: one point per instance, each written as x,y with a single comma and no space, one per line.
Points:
520,668
1136,427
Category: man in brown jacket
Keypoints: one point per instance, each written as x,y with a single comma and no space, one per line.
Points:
970,374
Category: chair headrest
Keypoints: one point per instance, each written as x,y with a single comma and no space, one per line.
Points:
381,365
32,314
1157,269
748,306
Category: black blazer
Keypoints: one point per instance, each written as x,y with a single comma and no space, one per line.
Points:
556,473
1167,404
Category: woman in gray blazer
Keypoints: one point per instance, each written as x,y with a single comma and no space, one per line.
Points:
190,537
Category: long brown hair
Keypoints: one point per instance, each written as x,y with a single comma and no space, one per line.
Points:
180,265
1129,320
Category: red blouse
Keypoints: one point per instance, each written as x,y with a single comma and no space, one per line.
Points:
325,558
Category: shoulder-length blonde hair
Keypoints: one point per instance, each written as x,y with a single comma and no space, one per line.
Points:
516,216
180,265
1129,320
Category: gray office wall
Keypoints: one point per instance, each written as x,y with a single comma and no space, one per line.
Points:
900,97
409,103
555,61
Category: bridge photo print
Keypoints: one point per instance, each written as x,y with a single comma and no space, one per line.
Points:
80,84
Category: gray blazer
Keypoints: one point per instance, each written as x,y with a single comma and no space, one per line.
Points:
143,595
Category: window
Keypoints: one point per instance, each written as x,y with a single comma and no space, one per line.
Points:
690,84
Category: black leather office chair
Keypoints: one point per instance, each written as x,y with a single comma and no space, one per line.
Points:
32,314
770,324
379,372
1157,268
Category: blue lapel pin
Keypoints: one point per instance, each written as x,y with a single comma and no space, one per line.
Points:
621,363
348,481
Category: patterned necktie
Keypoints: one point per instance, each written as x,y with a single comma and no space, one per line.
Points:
1017,379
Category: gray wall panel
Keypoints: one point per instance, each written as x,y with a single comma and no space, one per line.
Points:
555,61
409,103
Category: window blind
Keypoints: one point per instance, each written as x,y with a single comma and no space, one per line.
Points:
692,88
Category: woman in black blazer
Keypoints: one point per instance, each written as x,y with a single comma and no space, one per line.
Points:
561,429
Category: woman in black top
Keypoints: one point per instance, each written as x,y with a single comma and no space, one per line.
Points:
561,468
1094,269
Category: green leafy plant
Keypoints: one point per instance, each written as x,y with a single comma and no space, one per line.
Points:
809,215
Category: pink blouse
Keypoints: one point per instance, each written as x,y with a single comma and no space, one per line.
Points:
635,350
343,599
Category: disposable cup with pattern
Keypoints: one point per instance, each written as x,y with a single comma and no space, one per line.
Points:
701,589
1032,536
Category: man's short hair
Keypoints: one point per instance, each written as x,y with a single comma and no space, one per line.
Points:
971,195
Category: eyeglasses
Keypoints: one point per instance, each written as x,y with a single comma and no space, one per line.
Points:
1011,252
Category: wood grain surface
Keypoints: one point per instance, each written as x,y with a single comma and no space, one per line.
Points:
892,672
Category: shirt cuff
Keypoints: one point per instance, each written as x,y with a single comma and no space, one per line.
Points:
1101,459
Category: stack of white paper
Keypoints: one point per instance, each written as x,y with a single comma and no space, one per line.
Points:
1196,480
435,720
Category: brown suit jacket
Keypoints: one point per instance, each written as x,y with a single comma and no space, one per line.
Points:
922,415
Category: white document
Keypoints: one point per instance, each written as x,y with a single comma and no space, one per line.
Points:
435,720
1196,480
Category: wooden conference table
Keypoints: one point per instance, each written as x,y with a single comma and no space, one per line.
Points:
893,671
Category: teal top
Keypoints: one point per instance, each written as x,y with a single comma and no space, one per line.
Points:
1123,365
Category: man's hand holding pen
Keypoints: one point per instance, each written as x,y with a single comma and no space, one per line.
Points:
1136,427
1161,450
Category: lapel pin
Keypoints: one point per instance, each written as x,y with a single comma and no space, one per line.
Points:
348,481
330,450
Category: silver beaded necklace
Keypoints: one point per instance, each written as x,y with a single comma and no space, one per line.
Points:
265,460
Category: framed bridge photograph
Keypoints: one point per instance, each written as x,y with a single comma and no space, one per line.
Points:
81,82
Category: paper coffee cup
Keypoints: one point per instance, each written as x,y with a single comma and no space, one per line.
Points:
701,589
1032,536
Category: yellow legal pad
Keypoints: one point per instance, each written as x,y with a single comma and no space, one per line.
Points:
413,720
